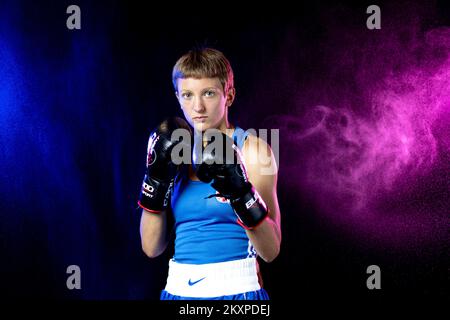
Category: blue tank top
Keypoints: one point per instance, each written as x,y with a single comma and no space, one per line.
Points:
205,228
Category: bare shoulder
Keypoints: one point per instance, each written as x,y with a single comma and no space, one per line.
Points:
258,156
262,171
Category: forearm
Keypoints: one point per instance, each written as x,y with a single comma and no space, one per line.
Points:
153,231
266,239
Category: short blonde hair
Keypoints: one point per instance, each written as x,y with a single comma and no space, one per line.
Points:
204,63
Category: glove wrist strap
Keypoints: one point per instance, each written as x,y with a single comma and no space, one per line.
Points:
250,209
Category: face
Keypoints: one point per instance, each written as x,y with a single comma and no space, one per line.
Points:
204,103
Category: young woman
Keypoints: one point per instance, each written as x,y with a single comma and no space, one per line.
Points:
224,220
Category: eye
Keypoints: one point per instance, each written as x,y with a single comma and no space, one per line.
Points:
209,93
186,95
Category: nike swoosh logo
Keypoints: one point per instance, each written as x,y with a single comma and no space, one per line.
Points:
191,283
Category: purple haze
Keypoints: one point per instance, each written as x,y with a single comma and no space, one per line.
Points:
375,156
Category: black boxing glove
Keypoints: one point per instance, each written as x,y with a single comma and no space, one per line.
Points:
160,167
221,162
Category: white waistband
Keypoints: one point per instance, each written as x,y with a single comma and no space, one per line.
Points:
212,279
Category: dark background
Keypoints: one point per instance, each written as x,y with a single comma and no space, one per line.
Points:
76,109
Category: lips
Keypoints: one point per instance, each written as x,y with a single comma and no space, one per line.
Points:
201,118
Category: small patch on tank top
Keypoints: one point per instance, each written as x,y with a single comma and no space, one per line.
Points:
221,199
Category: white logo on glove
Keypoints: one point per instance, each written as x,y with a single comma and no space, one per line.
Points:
148,187
151,155
250,202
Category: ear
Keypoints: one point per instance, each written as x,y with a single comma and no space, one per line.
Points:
230,96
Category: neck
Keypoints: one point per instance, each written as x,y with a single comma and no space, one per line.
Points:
227,128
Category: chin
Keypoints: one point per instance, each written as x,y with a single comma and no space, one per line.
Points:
201,126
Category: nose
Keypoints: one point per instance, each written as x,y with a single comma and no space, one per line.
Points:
198,105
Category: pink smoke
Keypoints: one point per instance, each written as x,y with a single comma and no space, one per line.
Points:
351,161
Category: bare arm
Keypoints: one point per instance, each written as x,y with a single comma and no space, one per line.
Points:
154,234
262,171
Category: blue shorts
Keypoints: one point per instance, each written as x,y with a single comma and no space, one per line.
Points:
260,294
